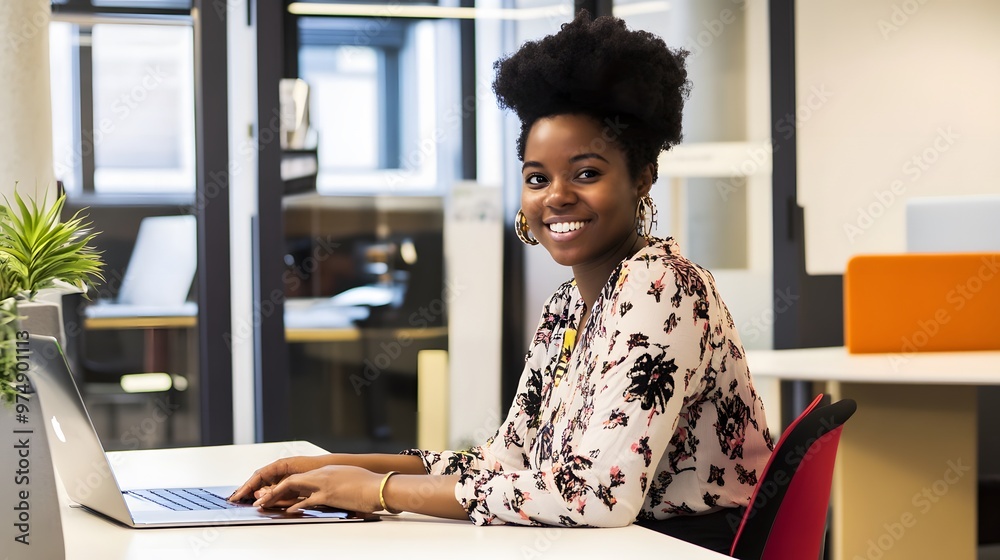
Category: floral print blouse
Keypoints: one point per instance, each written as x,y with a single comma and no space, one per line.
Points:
646,413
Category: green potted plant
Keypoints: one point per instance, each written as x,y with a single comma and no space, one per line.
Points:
38,252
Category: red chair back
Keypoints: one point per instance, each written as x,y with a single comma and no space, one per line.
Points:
786,519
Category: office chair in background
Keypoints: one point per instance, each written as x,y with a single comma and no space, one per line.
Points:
156,282
787,516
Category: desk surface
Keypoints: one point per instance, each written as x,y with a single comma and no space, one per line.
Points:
144,322
404,536
837,364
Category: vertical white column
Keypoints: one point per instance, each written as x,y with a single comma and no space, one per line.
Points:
242,207
473,245
25,100
26,156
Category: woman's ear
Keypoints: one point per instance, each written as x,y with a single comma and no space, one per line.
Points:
645,180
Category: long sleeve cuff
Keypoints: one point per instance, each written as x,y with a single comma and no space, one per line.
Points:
447,462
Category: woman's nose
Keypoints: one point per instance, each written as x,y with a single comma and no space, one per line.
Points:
560,192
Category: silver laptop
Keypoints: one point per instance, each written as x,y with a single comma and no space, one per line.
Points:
90,481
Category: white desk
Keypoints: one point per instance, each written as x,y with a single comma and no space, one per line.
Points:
916,422
407,536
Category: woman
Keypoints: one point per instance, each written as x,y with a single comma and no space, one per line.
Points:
635,403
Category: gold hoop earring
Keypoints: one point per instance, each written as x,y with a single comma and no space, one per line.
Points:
645,217
521,229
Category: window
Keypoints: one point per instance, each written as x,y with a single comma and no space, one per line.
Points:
348,83
124,122
66,149
372,102
143,95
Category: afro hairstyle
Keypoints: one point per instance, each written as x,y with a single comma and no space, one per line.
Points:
629,80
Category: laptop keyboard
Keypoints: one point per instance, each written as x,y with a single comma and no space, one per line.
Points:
183,499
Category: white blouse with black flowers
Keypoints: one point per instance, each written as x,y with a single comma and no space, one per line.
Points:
650,414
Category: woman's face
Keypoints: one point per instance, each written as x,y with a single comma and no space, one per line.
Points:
576,190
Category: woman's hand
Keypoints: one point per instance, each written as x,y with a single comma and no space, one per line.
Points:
274,473
340,486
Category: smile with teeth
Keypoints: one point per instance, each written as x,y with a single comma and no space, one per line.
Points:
566,227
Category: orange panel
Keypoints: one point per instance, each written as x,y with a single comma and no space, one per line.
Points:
922,302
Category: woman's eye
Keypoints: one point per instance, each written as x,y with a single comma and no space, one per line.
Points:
589,174
534,180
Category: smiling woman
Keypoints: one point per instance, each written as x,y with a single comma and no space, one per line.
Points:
635,403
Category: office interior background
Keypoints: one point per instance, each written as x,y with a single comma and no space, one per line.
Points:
809,127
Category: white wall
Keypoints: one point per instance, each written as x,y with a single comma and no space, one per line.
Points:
897,98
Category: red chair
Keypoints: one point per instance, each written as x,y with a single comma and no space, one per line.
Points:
786,519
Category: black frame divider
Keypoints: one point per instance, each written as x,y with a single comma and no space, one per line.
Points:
271,370
467,65
817,319
215,362
85,69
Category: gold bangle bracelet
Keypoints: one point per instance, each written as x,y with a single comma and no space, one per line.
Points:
381,495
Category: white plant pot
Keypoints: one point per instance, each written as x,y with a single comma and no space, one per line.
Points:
43,317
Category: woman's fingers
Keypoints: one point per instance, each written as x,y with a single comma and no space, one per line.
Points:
266,490
248,488
285,492
264,476
308,502
350,488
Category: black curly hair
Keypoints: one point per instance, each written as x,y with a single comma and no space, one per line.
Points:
629,80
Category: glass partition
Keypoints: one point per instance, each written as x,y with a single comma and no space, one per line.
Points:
124,148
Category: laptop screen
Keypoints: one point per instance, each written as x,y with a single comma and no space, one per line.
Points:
77,454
